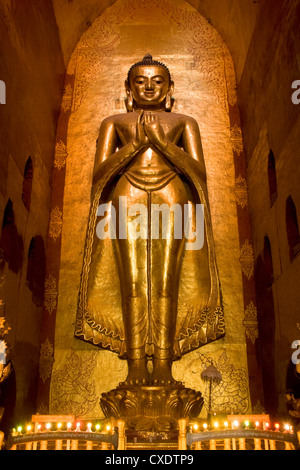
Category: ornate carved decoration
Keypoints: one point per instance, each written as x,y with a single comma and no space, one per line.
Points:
247,260
43,409
210,55
60,155
250,322
231,393
67,99
151,408
230,80
46,360
50,294
237,139
55,226
72,390
4,326
241,192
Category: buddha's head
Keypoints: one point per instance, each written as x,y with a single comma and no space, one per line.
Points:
149,85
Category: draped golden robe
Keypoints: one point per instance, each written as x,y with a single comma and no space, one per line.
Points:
100,319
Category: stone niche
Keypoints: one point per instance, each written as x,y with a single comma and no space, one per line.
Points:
202,69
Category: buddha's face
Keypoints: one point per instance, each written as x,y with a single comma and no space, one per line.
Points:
149,86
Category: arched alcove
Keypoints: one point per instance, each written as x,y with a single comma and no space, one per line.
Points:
268,262
11,242
272,177
27,183
205,89
266,327
292,228
36,269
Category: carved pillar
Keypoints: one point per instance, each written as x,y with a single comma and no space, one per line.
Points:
122,437
182,434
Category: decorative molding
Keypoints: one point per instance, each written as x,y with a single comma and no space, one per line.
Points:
51,294
55,225
241,192
230,80
60,155
46,360
237,139
67,99
247,260
250,322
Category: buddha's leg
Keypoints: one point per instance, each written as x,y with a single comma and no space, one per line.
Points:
166,266
131,256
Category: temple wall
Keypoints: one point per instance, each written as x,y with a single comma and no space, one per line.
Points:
32,69
271,121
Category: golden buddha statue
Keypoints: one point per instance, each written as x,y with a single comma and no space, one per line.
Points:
150,157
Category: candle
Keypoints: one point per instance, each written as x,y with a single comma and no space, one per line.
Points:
78,426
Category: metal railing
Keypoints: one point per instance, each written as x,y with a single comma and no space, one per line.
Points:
63,440
52,432
242,439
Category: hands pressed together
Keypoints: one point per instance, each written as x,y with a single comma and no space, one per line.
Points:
149,130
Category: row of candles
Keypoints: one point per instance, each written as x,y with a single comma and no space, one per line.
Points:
264,426
89,427
67,427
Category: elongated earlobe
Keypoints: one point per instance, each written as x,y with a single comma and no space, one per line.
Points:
168,104
129,101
